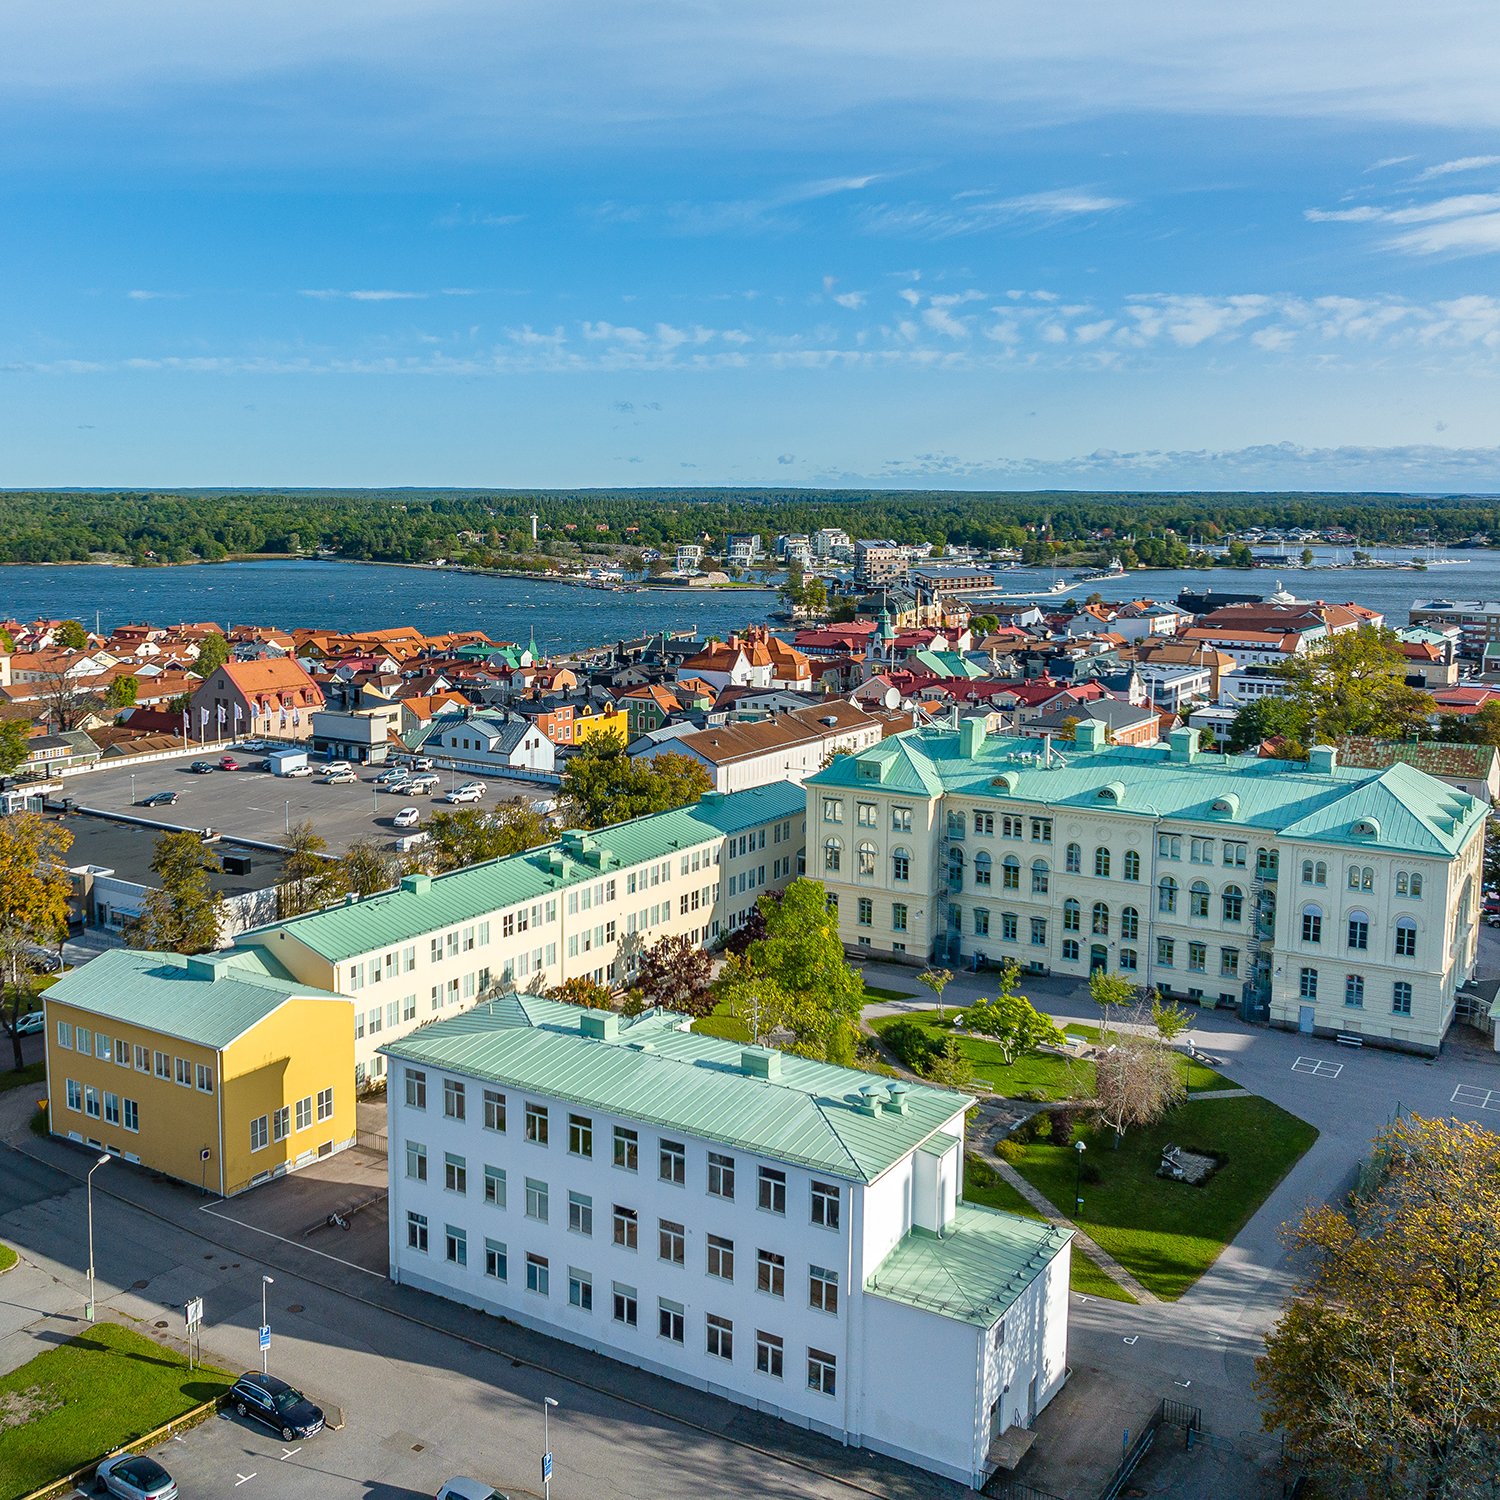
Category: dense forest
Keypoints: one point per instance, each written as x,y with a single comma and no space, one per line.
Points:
417,526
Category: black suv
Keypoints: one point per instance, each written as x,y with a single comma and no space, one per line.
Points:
279,1405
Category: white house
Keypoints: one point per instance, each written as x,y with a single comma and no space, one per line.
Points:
494,742
786,1234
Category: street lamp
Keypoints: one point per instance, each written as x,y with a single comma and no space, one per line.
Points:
547,1404
265,1350
1080,1148
90,1195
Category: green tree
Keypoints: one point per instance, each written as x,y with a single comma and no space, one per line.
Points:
183,913
601,784
364,868
121,693
14,735
1277,720
814,598
677,975
937,980
1170,1020
581,990
949,1067
213,652
1110,992
1355,683
307,878
1307,557
1384,1370
71,636
1011,1021
468,836
34,892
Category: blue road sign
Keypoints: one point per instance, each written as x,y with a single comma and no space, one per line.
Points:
546,1467
265,1336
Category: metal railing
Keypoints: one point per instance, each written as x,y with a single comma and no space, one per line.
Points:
1169,1413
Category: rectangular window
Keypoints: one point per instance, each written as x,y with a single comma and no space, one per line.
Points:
673,1162
721,1257
304,1113
102,1047
1039,932
1307,984
1229,962
416,1089
496,1260
865,912
536,1199
456,1244
65,1035
538,1275
281,1123
260,1132
580,1290
669,1320
580,1135
494,1110
85,1041
75,1095
494,1186
325,1104
455,1173
132,1120
184,1072
625,1305
111,1108
823,1289
626,1227
580,1213
627,1149
770,1273
898,916
203,1077
122,1053
1198,957
1008,927
720,1333
416,1232
825,1205
416,1161
822,1372
454,1105
1354,991
672,1242
770,1354
91,1105
720,1175
536,1124
1401,998
162,1064
1165,950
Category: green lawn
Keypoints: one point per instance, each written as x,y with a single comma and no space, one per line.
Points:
88,1397
32,1073
733,1029
1167,1233
987,1187
8,1257
873,992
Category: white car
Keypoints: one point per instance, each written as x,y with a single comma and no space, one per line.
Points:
408,817
422,786
463,794
31,1023
299,771
477,787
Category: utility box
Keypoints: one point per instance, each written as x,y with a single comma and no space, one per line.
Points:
283,762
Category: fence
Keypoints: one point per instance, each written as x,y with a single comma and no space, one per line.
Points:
1013,1489
1169,1413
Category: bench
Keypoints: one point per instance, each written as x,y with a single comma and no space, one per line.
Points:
1349,1041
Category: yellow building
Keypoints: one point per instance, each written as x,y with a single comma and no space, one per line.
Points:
217,1070
589,721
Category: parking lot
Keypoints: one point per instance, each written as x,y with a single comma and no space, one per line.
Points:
252,804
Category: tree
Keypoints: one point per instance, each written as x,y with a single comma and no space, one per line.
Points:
34,892
1110,991
71,636
753,928
937,980
950,1068
1355,683
121,693
364,868
1170,1020
1384,1369
183,912
583,991
468,836
1068,728
1136,1081
1285,724
1307,557
64,698
1011,1020
602,784
677,975
304,871
14,734
814,597
213,652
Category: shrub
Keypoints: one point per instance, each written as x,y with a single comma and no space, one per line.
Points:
1009,1151
1027,1130
1064,1122
1091,1172
914,1045
980,1174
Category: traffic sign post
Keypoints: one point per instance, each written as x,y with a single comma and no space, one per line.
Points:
546,1468
193,1315
265,1337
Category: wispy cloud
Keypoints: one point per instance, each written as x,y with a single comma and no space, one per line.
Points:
770,211
332,294
141,295
1464,224
972,212
1459,164
459,217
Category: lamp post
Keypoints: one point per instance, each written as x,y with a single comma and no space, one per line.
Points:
265,1352
90,1196
547,1404
1079,1147
132,788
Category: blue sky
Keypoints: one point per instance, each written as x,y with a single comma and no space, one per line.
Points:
962,245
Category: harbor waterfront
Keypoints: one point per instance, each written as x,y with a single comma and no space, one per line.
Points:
353,596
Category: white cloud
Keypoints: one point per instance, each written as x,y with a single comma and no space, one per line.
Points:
851,300
1460,164
139,295
1462,224
966,214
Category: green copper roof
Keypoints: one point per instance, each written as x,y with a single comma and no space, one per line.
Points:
209,1000
399,915
681,1080
1407,810
975,1270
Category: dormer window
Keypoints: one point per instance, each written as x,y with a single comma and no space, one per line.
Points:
1367,828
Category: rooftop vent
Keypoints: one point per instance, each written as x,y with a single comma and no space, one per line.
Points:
416,884
602,1025
760,1062
1322,759
896,1097
870,1099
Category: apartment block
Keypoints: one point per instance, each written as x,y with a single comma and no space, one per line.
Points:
1327,898
786,1234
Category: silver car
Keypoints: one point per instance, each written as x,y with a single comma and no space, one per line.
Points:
134,1476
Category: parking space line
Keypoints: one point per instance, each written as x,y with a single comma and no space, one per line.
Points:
1476,1098
240,1479
289,1453
281,1238
1318,1067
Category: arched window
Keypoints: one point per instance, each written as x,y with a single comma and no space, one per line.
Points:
1307,872
1166,895
1130,923
982,868
1039,877
1402,883
1266,863
1234,903
1010,873
1416,886
1320,873
1312,923
1100,926
900,866
1198,899
868,855
1359,931
1072,915
1074,859
955,825
1101,862
833,855
1132,865
1361,878
1406,938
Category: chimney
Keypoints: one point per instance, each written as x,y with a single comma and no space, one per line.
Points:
1322,759
896,1093
1183,746
971,737
418,885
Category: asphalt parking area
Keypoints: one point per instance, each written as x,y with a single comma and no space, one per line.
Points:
1318,1067
334,1208
1476,1098
252,804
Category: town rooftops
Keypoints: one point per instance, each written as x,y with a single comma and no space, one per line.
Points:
423,904
653,1069
209,1000
974,1270
1439,758
1397,807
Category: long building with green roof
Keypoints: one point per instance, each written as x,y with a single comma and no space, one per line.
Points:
1333,899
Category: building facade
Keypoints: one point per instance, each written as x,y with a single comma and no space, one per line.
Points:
786,1234
1327,898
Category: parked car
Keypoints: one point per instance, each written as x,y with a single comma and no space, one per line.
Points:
202,768
134,1476
422,786
421,763
282,1407
390,776
477,787
228,763
463,794
470,1489
158,799
1493,919
338,765
31,1023
408,817
297,771
45,960
338,778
